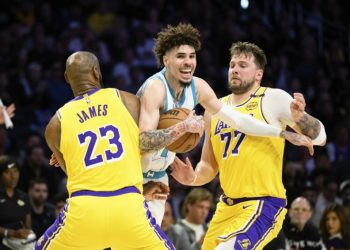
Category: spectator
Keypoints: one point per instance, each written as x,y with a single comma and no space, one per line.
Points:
326,198
335,227
42,212
196,209
36,166
175,232
299,232
15,219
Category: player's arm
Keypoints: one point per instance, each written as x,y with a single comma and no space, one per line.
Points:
243,122
53,137
206,169
151,101
280,106
132,103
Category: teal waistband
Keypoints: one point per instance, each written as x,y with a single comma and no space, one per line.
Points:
153,174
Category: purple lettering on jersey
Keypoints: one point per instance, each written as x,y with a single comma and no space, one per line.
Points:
220,125
81,120
92,111
105,109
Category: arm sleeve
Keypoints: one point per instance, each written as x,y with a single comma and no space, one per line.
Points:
246,123
276,108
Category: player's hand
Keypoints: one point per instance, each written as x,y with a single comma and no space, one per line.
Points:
297,106
53,161
194,123
298,140
183,172
155,191
10,111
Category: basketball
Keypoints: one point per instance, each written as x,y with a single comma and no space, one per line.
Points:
186,142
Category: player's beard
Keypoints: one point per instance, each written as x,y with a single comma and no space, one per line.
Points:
241,88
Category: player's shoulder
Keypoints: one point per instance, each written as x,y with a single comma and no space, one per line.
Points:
151,85
276,93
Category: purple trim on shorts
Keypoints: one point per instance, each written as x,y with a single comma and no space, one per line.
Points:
125,190
260,224
161,235
44,241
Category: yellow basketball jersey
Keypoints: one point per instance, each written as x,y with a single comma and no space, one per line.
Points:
249,166
100,143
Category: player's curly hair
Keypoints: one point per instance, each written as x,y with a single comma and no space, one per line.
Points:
174,36
247,49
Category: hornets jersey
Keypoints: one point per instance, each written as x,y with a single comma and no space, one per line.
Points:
100,143
163,158
260,158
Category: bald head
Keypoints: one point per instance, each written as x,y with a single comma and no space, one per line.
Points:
83,71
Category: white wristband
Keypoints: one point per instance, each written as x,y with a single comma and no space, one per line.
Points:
6,231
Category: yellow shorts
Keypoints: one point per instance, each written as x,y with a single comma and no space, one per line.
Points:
92,222
246,224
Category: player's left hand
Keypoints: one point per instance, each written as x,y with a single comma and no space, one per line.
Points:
298,140
53,161
297,106
155,191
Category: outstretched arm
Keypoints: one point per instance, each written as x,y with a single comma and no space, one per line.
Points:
305,123
206,169
242,122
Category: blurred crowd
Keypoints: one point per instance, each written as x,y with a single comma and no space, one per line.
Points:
307,43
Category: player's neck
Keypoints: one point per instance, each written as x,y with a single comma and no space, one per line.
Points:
237,99
175,86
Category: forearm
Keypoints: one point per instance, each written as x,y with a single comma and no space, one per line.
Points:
157,139
204,174
312,128
246,123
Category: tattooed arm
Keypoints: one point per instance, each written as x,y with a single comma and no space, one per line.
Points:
305,123
280,108
152,95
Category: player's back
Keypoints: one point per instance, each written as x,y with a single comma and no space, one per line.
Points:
99,143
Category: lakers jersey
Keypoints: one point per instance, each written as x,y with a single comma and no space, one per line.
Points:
249,166
163,158
99,143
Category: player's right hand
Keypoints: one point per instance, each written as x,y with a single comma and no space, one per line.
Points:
155,191
298,140
183,172
194,123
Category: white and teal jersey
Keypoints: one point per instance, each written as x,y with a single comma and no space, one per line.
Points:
163,158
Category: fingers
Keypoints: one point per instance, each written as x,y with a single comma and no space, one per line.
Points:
311,150
299,101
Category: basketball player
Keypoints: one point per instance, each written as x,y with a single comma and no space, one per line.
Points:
96,140
251,210
175,86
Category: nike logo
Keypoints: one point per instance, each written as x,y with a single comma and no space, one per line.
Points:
244,207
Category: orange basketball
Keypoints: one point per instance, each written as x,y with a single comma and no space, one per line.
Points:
186,142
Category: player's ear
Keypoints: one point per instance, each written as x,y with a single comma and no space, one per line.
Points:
259,74
165,60
66,76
